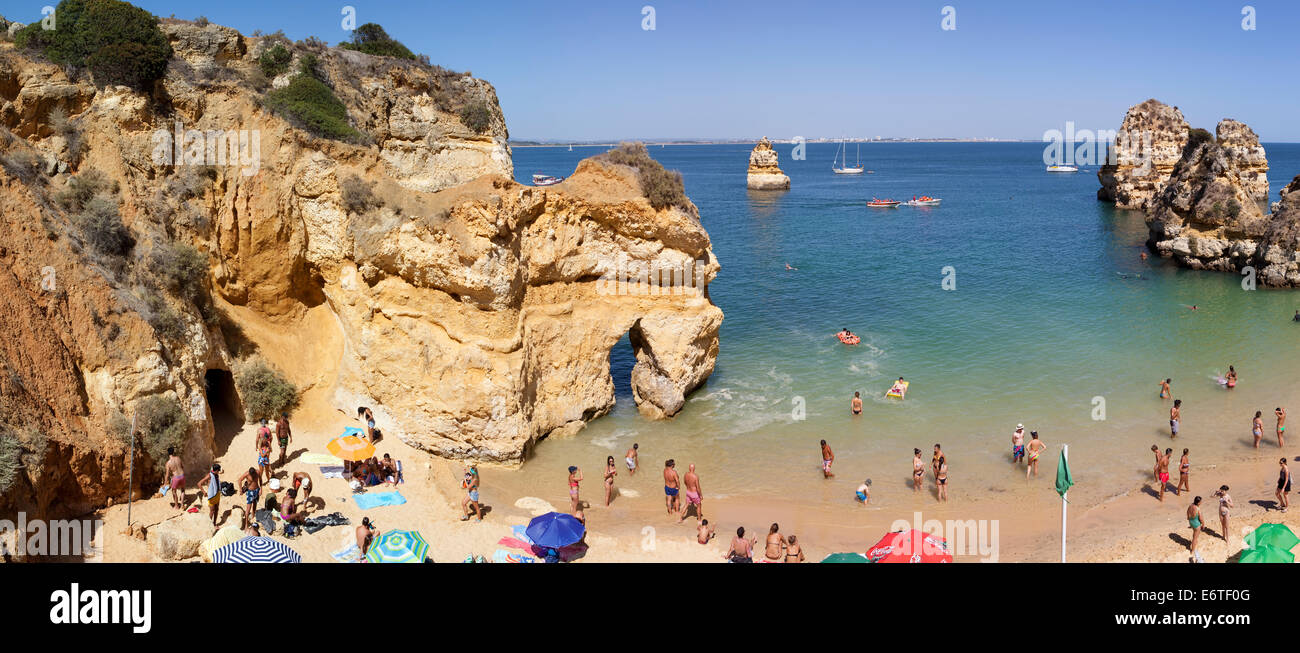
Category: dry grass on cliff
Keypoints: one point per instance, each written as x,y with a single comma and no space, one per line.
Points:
662,187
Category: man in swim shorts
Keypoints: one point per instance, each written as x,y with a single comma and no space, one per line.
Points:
1036,448
671,486
631,459
282,434
694,495
251,485
1164,472
1174,414
302,483
855,404
1018,444
863,495
828,459
176,478
213,482
1164,388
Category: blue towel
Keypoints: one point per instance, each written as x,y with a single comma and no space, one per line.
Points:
377,499
520,534
352,430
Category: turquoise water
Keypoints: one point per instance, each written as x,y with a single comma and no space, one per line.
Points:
1048,313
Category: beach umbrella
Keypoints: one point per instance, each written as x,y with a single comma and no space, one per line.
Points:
846,557
1266,554
554,530
256,549
398,546
910,546
1278,536
351,447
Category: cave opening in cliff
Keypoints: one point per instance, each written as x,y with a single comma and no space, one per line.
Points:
227,413
622,358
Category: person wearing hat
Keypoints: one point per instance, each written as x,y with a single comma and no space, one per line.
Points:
1018,444
213,481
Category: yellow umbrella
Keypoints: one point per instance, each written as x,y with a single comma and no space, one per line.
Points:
351,447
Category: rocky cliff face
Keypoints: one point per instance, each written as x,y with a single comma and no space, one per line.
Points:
764,173
1148,145
1208,216
476,315
1246,155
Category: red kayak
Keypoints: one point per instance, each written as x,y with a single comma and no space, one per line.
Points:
910,546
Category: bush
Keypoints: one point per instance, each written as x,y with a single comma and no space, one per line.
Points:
1194,139
119,427
662,187
476,116
11,452
180,268
264,392
22,165
166,322
162,423
101,227
275,61
372,39
309,104
119,43
357,196
82,188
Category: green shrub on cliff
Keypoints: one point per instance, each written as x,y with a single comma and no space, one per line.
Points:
1194,139
310,104
101,228
179,267
162,423
275,61
119,43
476,116
372,39
662,187
264,392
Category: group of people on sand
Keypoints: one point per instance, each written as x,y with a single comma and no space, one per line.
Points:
777,548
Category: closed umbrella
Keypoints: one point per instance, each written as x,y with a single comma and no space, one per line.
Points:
256,549
846,557
351,447
398,546
1278,536
554,530
1266,554
910,546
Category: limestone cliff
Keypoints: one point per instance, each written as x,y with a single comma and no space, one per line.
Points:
764,171
1148,145
1246,155
476,315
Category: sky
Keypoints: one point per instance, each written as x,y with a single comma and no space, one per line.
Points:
567,70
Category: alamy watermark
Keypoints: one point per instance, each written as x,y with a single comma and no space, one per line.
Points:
1085,147
974,537
213,147
52,538
624,276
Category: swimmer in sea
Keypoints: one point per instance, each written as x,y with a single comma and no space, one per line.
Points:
863,494
1257,427
1297,317
787,266
855,404
1164,388
918,470
934,460
1232,377
828,459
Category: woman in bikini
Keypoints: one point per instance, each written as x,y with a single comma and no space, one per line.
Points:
610,472
1257,427
775,544
1225,507
575,477
1194,522
942,479
918,470
1232,377
1283,485
1155,471
793,552
1184,475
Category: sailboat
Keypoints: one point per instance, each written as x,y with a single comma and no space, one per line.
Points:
570,147
844,168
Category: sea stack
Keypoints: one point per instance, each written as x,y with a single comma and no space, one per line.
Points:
1149,144
1246,155
764,173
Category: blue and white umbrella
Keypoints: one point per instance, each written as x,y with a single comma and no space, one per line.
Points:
256,549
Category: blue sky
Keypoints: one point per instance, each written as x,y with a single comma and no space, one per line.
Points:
569,70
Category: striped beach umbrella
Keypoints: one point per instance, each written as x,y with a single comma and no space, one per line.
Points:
351,447
256,549
398,546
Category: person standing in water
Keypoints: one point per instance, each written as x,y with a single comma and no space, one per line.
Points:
1018,444
1281,423
863,495
575,478
1225,508
1164,388
828,459
1194,522
630,459
918,470
941,480
1175,413
934,459
1283,485
671,486
1257,427
855,404
1184,475
1231,379
694,495
1036,448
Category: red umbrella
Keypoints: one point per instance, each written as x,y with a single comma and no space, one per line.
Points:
910,546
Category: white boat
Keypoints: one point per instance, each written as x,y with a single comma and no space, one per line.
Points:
844,168
1062,169
923,201
546,180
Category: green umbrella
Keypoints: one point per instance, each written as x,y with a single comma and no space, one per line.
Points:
1266,554
846,557
1274,535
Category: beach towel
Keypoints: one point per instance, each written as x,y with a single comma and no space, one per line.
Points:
352,430
521,534
505,556
331,471
377,499
349,553
314,524
321,459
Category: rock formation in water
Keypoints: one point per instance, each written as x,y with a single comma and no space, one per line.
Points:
764,173
1148,145
473,314
1208,215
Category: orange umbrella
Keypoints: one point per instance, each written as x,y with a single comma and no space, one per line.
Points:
351,447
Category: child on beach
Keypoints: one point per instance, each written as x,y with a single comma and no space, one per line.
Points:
863,494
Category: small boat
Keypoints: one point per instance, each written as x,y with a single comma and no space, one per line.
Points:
1062,169
546,180
924,200
843,168
883,204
